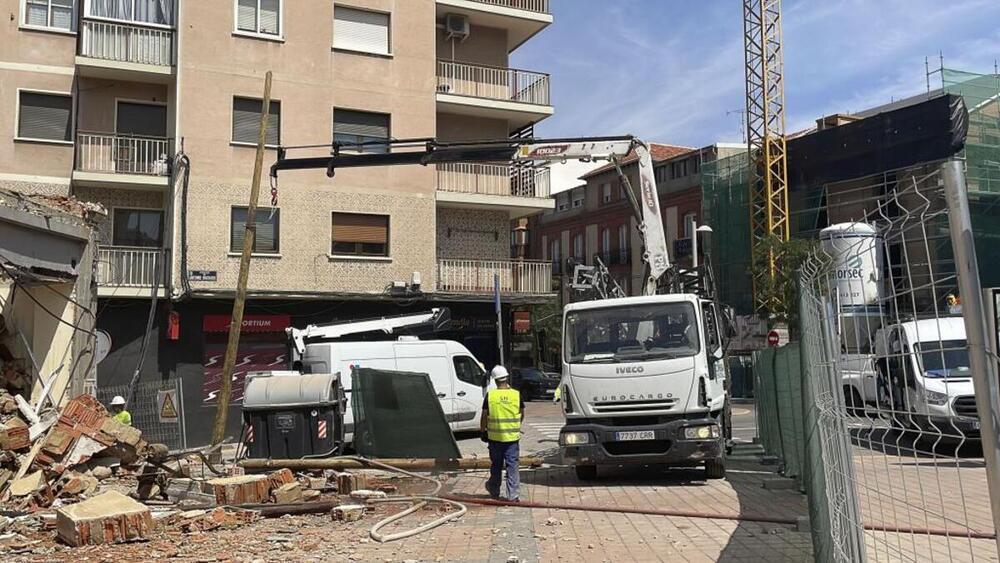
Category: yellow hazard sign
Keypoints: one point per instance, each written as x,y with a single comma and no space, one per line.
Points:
167,401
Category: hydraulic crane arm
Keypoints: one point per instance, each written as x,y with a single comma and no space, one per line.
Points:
526,151
431,321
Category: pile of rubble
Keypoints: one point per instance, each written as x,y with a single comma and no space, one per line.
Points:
80,477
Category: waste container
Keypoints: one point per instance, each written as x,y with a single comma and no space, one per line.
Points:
290,415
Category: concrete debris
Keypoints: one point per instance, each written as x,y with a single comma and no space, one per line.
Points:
207,520
366,494
28,485
107,518
349,512
287,493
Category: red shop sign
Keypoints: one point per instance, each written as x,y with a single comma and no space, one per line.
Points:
251,323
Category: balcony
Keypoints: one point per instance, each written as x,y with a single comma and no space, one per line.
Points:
521,19
476,277
520,190
126,51
518,96
125,271
107,159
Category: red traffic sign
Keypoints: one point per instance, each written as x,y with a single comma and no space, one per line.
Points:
772,338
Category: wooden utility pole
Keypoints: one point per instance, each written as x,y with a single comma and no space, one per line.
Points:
249,237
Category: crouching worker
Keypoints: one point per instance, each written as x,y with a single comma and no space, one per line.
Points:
500,427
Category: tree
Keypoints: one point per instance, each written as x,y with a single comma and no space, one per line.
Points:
780,293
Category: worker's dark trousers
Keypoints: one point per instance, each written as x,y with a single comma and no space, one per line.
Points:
504,454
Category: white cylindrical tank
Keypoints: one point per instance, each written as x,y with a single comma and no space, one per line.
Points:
856,249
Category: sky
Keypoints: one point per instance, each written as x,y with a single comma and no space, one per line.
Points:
671,71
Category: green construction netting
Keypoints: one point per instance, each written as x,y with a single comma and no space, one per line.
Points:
781,427
725,203
397,415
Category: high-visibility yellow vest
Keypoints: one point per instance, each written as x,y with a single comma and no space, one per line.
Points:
123,417
504,421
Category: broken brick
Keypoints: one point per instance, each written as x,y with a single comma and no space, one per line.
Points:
242,489
348,512
287,493
108,518
15,438
281,477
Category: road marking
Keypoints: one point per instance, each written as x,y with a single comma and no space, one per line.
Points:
548,430
741,412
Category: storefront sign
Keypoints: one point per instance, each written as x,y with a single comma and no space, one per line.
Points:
522,322
251,323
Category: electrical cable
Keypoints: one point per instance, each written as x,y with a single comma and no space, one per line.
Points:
20,284
154,298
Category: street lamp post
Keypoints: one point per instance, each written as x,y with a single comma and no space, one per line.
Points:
694,242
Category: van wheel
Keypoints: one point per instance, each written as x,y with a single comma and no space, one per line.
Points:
852,399
586,472
715,468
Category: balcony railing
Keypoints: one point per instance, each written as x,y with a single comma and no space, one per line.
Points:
540,6
476,276
122,154
494,83
127,266
127,43
493,179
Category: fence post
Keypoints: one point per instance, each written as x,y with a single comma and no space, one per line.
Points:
984,377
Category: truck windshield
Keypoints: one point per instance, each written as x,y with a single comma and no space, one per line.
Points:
944,358
632,333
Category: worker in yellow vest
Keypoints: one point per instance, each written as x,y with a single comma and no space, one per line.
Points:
118,411
500,425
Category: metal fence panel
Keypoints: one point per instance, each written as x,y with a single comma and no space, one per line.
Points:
145,409
900,401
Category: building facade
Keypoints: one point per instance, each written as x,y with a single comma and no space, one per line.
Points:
151,108
595,219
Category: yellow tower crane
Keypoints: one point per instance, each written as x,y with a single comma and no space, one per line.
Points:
765,138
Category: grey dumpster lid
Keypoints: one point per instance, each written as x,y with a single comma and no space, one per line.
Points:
269,390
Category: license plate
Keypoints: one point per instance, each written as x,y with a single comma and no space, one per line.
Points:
632,435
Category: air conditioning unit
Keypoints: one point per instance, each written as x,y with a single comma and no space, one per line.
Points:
456,26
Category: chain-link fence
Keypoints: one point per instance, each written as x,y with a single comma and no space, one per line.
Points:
157,409
899,389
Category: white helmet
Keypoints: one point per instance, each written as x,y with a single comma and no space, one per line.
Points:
118,400
499,373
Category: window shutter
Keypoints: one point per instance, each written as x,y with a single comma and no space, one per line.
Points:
37,13
360,30
45,116
62,14
360,123
267,229
246,121
269,16
246,15
354,227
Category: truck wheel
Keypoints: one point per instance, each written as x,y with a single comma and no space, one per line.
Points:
586,472
715,469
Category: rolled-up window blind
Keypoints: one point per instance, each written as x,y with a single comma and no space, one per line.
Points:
268,226
246,121
356,227
360,30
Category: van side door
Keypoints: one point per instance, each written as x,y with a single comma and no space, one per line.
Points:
470,380
430,358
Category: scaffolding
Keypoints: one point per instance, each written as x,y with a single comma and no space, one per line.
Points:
725,198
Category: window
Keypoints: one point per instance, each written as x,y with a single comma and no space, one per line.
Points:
268,224
45,116
606,192
159,12
359,128
137,227
578,197
696,165
621,190
606,245
689,225
360,30
678,169
261,17
632,333
712,333
467,369
54,14
562,202
554,257
360,234
623,239
661,174
147,120
246,121
579,248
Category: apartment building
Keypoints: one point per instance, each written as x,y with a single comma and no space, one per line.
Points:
595,219
151,108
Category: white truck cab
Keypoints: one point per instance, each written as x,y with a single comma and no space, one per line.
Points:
923,369
457,376
644,383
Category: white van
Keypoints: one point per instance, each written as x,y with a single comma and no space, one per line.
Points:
923,368
457,376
